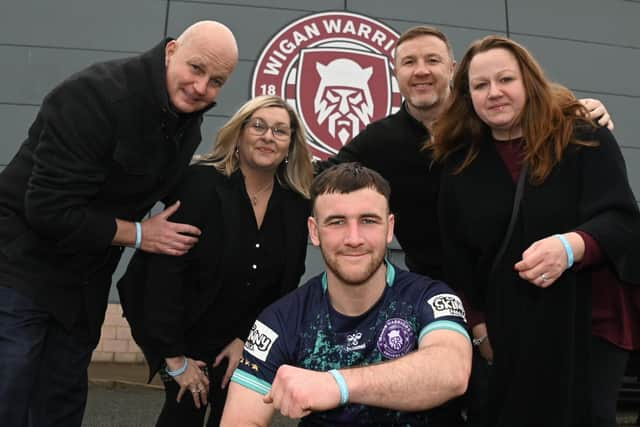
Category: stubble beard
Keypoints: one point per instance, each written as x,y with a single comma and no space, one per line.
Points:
357,278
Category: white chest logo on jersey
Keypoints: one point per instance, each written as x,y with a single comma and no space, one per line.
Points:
335,69
446,305
353,341
260,341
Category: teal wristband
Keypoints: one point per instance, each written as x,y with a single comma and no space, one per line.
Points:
567,249
342,385
178,371
138,235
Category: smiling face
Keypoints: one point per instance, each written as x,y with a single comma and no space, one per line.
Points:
196,69
497,92
424,67
265,152
352,230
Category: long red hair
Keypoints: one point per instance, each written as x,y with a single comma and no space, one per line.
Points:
548,119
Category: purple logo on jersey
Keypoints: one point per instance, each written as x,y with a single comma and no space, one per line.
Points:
396,339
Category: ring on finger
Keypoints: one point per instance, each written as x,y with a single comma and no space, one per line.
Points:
544,277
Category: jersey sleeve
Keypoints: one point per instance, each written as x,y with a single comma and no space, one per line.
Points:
440,308
264,351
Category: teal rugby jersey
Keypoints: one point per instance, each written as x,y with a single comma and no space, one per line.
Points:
302,329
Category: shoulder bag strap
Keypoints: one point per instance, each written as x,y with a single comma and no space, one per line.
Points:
514,216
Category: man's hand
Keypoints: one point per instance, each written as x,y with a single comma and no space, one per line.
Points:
161,236
193,379
233,352
296,392
598,112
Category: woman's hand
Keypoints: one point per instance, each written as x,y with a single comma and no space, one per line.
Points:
479,332
192,379
545,260
233,352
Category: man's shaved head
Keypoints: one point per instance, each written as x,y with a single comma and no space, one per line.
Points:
199,62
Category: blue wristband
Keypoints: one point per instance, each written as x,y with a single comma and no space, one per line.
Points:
342,385
138,235
178,371
567,249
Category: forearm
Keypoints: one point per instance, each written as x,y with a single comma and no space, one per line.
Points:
421,380
245,408
577,245
175,363
125,233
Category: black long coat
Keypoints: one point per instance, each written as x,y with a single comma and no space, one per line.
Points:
163,296
540,336
104,145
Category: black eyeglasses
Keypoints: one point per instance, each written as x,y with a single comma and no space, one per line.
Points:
258,127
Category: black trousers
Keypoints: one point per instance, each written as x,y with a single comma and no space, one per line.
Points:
608,364
43,368
185,413
477,396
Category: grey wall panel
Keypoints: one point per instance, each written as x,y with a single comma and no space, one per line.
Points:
122,267
624,111
614,22
85,24
210,128
29,73
252,32
588,67
304,5
458,37
488,14
16,120
236,91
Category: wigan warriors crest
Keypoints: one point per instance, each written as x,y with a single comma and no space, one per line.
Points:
335,69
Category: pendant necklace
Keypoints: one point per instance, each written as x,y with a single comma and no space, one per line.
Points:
254,197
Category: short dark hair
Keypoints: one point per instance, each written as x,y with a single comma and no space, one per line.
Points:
423,30
347,178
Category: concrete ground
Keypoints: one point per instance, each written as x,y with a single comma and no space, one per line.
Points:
119,396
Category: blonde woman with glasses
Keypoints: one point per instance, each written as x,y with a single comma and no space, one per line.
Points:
190,314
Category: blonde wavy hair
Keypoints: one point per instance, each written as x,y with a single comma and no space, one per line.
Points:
296,173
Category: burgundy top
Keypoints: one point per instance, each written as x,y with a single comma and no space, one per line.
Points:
615,305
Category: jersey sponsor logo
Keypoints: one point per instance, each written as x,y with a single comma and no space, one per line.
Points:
396,339
260,341
446,305
353,341
335,69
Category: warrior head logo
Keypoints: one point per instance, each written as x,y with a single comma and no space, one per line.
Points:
343,98
335,69
396,339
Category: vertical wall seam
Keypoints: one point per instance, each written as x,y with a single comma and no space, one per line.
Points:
506,17
166,18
